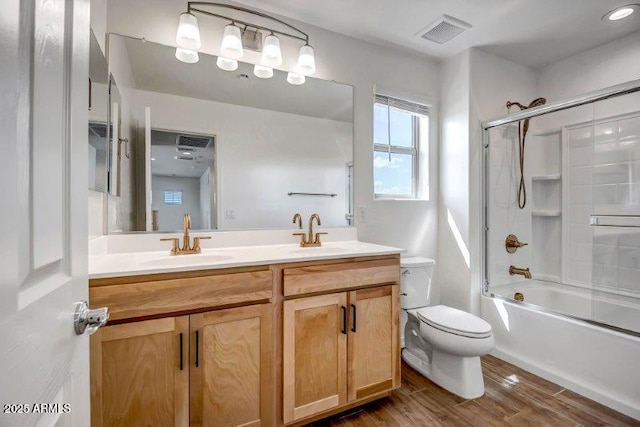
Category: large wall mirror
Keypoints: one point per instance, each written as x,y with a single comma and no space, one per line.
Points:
233,150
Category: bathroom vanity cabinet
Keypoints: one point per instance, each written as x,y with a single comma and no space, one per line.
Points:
268,345
212,367
339,348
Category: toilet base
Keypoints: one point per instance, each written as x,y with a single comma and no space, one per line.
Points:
459,375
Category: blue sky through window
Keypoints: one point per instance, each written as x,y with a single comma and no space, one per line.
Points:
392,174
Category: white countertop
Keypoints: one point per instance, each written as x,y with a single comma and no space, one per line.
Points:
137,263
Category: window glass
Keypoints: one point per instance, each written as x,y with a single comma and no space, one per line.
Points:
392,175
397,138
173,197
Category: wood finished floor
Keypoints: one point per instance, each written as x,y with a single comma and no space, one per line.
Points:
513,397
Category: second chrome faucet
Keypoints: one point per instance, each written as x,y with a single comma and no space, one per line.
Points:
308,239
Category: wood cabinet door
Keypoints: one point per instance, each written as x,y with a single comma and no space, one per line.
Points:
314,355
374,341
231,367
136,374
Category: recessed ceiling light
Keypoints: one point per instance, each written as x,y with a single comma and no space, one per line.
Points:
620,12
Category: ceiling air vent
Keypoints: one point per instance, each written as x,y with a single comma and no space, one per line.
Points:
443,29
98,129
193,141
190,159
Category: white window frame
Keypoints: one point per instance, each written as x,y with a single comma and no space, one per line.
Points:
416,110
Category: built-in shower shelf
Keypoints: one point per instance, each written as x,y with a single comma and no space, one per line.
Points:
551,177
545,213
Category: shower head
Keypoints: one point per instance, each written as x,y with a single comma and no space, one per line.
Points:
537,102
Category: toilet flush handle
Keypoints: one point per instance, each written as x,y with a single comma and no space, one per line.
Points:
406,272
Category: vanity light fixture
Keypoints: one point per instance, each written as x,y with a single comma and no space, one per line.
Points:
232,49
227,64
232,42
262,71
271,54
620,12
188,35
295,78
186,55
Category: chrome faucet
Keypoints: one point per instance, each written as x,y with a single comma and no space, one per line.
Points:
522,271
309,238
186,248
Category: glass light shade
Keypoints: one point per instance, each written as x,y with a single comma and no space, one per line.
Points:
232,43
262,71
186,55
188,35
271,54
621,13
227,64
306,60
295,78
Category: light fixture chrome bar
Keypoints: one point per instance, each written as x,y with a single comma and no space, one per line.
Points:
313,194
598,95
191,8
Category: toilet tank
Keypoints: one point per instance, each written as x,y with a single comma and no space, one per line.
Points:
415,285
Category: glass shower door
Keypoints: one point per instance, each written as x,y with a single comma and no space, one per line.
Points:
615,213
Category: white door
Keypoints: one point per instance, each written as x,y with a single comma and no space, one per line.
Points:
44,365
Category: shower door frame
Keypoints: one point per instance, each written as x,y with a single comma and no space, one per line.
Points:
588,98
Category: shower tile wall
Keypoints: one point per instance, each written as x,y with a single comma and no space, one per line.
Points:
604,176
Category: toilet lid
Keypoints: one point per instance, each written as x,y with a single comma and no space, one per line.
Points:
454,321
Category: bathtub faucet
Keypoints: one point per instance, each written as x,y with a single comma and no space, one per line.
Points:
522,271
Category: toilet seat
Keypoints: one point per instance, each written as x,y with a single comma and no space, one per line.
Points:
454,321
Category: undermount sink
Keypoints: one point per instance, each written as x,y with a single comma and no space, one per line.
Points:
178,260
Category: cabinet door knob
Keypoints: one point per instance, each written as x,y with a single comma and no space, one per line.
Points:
344,319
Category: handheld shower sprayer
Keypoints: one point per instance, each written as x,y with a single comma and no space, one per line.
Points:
523,128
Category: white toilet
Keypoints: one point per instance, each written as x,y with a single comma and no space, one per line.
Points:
442,343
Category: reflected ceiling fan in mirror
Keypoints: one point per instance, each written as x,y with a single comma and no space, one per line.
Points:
240,34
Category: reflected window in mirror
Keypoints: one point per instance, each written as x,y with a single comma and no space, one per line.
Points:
400,149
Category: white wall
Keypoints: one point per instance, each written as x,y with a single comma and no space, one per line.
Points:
494,81
121,204
452,271
262,155
99,22
607,65
409,224
170,216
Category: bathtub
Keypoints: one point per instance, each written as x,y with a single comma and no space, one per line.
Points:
545,335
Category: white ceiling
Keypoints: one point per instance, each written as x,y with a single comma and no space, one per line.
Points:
530,32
